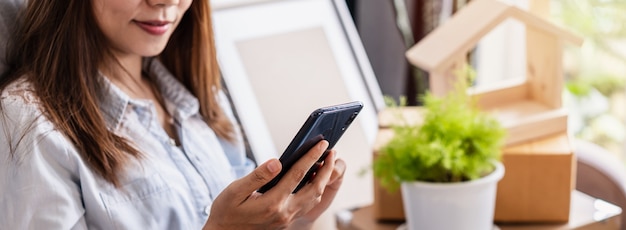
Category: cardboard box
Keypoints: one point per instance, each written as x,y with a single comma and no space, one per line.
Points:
538,182
387,206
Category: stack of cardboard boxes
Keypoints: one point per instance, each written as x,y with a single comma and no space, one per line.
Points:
538,156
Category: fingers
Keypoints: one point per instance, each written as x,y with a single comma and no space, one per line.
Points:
324,173
323,176
297,172
263,174
337,177
317,196
330,192
312,193
330,173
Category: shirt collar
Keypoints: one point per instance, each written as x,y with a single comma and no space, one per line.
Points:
179,102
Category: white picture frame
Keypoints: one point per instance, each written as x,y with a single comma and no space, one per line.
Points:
245,28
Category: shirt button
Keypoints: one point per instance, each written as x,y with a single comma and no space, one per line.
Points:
207,210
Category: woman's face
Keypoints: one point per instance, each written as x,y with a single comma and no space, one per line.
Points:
139,27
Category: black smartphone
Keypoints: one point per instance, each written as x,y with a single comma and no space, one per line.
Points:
327,123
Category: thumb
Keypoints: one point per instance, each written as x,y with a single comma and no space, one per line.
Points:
257,178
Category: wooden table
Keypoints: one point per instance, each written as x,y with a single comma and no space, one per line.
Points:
585,213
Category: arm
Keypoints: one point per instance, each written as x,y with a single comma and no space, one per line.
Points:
38,187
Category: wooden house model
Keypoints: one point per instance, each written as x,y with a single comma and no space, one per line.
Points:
528,109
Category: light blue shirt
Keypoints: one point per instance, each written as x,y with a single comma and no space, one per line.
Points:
47,185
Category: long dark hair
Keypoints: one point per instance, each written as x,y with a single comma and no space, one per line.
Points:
58,48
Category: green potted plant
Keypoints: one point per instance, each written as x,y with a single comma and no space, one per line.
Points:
448,165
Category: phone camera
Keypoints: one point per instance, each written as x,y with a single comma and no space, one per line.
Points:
352,117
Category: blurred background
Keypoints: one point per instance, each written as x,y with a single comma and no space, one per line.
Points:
595,74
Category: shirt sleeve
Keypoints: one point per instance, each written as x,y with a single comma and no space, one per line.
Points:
38,181
236,152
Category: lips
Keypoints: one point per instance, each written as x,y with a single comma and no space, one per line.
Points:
154,27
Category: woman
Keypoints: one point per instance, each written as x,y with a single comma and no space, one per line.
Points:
113,118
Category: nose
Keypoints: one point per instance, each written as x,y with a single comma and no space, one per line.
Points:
162,2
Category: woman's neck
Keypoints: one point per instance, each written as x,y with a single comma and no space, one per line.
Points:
123,67
126,74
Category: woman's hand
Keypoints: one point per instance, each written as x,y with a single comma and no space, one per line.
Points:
239,206
306,221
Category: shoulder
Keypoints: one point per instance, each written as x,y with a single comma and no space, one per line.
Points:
19,96
32,146
19,110
23,125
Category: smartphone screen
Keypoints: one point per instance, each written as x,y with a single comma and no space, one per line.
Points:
327,123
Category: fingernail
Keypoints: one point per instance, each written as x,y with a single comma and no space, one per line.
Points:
341,165
273,166
324,145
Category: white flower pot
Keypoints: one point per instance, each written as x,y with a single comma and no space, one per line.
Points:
449,206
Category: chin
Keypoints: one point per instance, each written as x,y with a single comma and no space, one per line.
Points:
153,51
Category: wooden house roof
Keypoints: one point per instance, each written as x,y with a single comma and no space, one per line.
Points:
444,45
